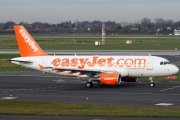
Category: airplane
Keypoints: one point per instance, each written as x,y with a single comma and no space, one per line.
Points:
106,70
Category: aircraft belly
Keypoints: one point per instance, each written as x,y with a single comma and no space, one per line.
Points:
133,73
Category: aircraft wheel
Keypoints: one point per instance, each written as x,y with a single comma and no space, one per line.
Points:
89,84
152,85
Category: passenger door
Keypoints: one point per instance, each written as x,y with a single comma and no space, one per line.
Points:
150,64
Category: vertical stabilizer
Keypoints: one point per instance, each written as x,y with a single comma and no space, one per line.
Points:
27,45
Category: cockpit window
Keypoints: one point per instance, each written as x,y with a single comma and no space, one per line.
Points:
165,62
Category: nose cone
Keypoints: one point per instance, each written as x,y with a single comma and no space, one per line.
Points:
175,70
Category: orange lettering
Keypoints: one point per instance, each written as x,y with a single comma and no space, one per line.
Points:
110,64
120,64
65,62
101,62
82,62
56,62
93,63
140,61
128,63
74,62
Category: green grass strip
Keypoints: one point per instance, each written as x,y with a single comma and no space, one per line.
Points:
59,109
88,43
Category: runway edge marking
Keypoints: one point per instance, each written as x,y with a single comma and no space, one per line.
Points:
164,104
8,98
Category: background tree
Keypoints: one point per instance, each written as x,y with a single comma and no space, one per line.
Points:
145,22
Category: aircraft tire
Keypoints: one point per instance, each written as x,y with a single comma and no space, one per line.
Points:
89,84
152,84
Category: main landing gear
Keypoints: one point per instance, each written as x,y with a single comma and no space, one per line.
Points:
152,82
89,84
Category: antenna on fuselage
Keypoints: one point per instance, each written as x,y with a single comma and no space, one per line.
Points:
149,54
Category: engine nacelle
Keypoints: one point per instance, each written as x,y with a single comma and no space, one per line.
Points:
110,78
129,79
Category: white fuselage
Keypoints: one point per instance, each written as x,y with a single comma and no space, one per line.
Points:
127,66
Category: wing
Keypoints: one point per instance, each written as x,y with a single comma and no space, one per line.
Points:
84,71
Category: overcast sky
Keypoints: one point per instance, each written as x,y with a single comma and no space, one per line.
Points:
55,11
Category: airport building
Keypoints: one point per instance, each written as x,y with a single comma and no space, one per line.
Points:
176,32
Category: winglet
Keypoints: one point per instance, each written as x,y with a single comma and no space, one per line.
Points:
27,45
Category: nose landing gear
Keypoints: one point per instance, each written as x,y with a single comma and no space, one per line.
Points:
152,82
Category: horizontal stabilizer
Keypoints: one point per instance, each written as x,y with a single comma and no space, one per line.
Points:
20,61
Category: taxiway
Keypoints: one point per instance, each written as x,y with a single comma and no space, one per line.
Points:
38,86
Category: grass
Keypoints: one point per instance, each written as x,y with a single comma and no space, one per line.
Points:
112,43
58,109
6,65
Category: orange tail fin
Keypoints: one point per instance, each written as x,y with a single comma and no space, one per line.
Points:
27,45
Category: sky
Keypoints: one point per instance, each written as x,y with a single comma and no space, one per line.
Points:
57,11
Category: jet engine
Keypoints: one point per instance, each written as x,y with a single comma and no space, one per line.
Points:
129,79
110,78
